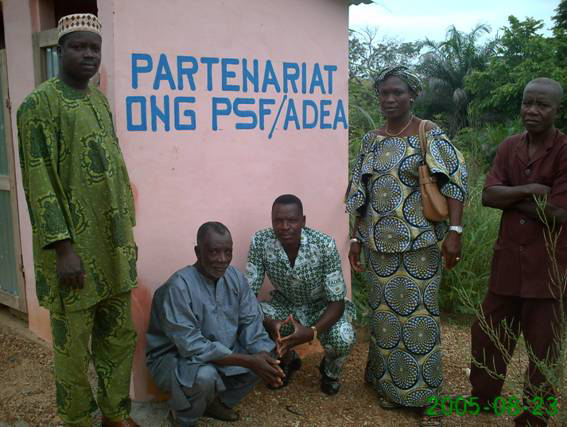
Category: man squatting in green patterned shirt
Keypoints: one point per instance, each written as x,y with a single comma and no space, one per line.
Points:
308,300
82,214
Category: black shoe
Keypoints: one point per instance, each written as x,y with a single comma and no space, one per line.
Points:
288,370
329,385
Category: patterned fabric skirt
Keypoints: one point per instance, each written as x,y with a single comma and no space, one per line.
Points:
404,358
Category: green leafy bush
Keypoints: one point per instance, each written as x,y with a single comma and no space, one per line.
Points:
479,144
471,274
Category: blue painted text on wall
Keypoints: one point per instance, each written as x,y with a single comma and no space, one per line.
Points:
244,93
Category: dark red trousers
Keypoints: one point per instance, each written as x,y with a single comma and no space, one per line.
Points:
538,321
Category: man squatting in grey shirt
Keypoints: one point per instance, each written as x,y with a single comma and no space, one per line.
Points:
206,344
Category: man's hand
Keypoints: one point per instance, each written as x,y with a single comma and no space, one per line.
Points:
451,249
507,197
537,189
354,256
267,368
273,327
69,265
300,335
262,364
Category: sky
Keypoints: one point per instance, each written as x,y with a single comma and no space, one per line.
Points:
411,20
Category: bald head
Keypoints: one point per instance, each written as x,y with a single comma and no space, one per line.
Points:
549,86
541,104
211,227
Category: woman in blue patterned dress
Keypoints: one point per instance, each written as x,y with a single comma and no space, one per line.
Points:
403,249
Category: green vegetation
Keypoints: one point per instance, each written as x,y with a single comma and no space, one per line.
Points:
473,89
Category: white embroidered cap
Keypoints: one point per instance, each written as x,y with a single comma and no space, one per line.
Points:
78,22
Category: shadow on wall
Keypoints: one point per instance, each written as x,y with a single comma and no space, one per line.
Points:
141,380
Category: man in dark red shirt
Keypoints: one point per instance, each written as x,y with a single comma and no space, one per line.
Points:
521,294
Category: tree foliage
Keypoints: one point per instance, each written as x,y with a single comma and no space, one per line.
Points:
522,54
560,32
560,18
470,78
368,53
445,65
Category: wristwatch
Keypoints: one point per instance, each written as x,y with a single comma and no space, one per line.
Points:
456,228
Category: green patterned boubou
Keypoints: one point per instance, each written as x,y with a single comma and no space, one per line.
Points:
77,188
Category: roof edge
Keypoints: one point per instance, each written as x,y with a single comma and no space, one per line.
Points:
355,2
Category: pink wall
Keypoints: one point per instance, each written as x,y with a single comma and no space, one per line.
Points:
182,178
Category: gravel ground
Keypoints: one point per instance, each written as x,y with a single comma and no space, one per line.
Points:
27,389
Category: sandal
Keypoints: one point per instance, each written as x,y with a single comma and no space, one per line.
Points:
431,420
173,419
219,411
387,404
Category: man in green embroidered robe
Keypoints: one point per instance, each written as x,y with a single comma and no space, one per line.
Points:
82,213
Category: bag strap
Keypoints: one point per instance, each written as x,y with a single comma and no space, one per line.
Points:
423,139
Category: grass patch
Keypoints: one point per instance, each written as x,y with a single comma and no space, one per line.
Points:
473,271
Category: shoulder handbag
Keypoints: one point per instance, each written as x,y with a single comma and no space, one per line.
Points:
433,203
